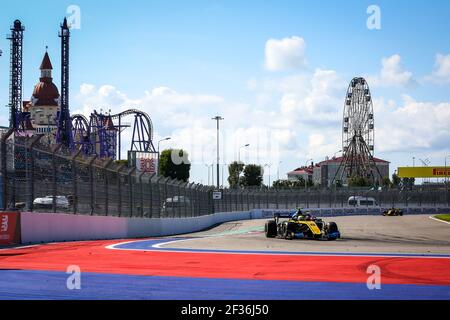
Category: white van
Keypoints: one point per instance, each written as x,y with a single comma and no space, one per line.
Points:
359,201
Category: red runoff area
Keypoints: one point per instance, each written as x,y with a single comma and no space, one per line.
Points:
92,256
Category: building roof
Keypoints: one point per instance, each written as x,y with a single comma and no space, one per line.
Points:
309,170
45,92
46,63
339,160
303,170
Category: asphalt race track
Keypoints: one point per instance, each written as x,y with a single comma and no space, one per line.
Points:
236,261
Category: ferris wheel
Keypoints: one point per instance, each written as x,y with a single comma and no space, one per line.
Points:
358,132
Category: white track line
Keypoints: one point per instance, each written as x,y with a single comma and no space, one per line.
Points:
436,219
157,248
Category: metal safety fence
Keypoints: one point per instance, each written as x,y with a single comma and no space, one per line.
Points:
41,178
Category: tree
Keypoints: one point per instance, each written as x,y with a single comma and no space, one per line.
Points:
174,163
407,183
253,176
386,182
395,180
234,170
299,183
358,181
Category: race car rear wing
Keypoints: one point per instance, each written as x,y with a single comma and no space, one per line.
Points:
283,214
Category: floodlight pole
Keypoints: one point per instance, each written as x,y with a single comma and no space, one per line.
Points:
218,119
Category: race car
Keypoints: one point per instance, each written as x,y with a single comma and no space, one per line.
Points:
301,226
393,212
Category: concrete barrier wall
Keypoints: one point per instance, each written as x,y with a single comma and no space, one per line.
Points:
56,227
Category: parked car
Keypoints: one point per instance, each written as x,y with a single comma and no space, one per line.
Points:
172,206
360,201
47,202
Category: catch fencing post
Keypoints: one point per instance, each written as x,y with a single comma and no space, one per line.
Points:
178,186
150,207
191,196
75,182
197,200
276,198
105,172
130,173
91,183
185,186
158,184
54,176
4,153
31,172
119,187
307,199
142,193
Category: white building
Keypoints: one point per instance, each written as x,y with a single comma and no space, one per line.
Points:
323,173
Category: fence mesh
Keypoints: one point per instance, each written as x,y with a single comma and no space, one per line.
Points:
41,178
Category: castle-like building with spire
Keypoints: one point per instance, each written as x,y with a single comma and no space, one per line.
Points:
44,104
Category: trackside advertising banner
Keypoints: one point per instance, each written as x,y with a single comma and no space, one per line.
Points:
9,228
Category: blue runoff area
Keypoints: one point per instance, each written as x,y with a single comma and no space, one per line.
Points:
20,284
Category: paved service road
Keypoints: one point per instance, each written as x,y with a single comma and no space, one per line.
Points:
412,234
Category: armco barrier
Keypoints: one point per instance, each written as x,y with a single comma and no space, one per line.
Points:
54,227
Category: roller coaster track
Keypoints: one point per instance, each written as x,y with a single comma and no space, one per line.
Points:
142,131
136,112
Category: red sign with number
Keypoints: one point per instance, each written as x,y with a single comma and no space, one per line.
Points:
9,228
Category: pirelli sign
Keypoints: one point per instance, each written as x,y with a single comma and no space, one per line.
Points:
424,172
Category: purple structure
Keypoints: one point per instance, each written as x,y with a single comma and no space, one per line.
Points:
102,136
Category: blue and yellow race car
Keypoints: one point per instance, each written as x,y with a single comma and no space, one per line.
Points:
301,226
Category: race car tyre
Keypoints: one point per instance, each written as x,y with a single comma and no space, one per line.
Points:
271,229
286,231
332,227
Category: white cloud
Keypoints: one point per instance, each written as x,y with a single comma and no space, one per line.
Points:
285,54
319,102
187,119
392,74
441,71
412,126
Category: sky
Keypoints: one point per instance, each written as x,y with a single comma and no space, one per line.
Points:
276,71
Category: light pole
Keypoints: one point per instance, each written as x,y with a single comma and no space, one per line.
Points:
268,165
223,167
278,170
165,139
306,167
218,119
208,166
334,156
239,154
446,173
